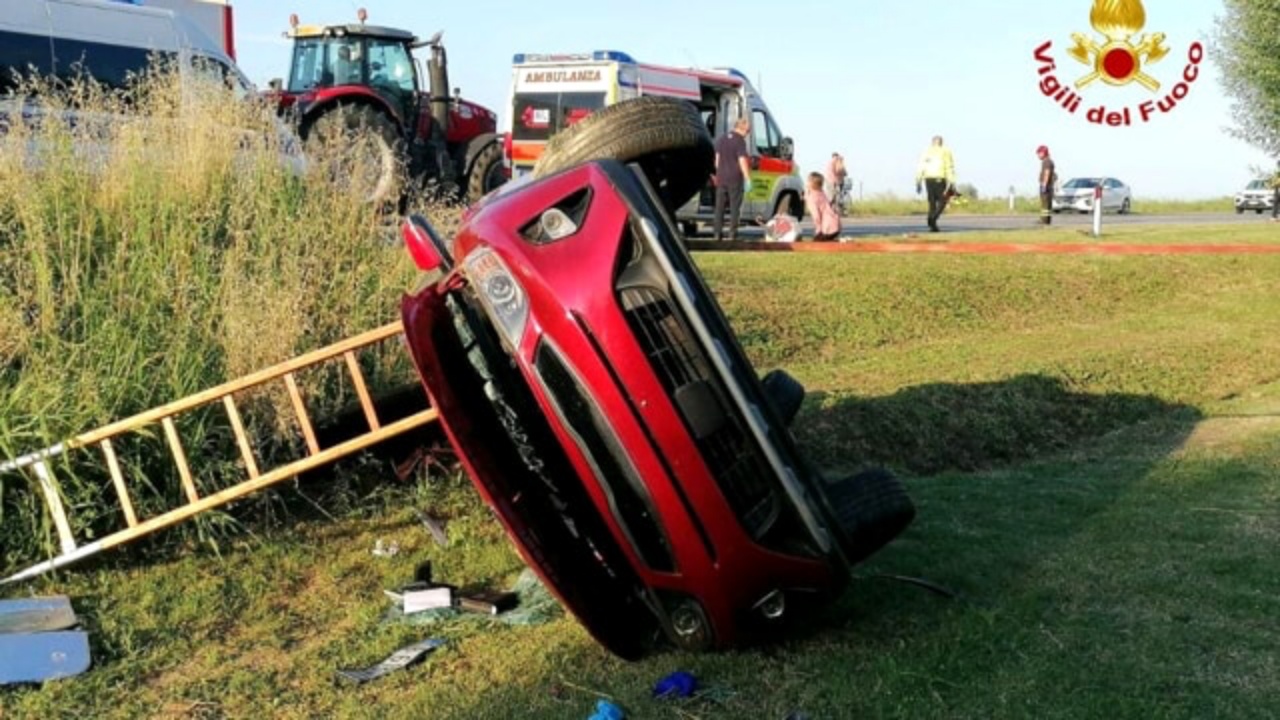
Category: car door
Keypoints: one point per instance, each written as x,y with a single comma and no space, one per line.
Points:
767,162
1108,193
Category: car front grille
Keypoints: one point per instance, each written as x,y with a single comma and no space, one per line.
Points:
727,447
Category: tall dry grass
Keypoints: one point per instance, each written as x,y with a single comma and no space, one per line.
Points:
153,243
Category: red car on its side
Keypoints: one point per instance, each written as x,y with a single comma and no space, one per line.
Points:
603,407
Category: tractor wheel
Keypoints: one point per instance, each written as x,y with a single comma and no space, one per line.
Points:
872,508
665,136
485,172
359,149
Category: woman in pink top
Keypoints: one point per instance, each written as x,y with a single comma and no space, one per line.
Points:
826,223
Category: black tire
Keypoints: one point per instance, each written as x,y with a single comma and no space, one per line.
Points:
872,508
1259,212
1240,211
485,173
689,228
790,204
361,147
785,393
1124,207
665,136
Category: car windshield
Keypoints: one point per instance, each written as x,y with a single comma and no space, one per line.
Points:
1081,184
1257,185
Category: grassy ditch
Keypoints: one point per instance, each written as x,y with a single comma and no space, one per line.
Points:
1092,443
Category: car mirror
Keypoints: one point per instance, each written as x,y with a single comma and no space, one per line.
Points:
786,149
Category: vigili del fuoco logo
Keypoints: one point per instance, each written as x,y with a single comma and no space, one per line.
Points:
1118,58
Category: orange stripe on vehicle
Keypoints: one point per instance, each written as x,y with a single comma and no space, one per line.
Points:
527,152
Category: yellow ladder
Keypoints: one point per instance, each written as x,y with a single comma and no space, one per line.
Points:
38,462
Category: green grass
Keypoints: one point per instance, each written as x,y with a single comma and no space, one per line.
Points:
894,205
1092,444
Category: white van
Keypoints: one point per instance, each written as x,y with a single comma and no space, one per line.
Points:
109,40
112,40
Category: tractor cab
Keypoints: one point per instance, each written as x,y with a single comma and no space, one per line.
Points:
338,58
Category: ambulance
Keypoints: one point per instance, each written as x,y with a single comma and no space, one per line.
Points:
552,92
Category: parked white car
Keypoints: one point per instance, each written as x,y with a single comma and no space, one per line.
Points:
1077,195
1258,196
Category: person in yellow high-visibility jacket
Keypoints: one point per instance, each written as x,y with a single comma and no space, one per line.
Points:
938,174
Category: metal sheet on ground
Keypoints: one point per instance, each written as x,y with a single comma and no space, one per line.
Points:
30,615
37,657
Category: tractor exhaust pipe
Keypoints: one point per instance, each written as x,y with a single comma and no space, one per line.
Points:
438,74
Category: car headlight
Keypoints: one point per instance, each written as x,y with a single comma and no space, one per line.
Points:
501,294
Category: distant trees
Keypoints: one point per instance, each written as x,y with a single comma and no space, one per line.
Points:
1247,43
968,190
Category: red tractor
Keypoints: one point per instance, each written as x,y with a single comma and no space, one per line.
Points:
361,83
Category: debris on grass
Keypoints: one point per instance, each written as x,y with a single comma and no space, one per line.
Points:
35,642
606,710
677,684
398,660
435,526
528,602
385,549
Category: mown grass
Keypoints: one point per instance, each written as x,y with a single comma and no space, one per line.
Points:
890,204
1092,443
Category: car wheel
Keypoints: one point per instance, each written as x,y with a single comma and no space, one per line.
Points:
689,228
785,394
872,508
665,136
1259,212
1124,207
1239,211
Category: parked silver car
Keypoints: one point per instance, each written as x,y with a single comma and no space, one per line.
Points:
1258,196
1077,195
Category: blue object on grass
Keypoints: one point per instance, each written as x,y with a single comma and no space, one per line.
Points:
677,684
606,710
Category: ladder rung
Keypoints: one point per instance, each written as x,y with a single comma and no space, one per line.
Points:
117,479
237,427
300,409
180,457
357,378
53,500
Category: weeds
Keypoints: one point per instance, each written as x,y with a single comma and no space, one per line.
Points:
156,242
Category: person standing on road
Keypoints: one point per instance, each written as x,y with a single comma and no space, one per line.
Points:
733,176
826,221
1048,179
1275,194
938,173
836,174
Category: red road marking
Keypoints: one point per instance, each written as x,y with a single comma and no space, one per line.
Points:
987,248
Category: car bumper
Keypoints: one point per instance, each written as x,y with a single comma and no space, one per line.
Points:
686,483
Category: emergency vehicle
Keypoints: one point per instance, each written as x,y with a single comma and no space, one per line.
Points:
552,92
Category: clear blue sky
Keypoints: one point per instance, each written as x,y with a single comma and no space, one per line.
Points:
873,80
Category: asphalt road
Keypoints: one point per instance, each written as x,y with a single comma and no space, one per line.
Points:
915,224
